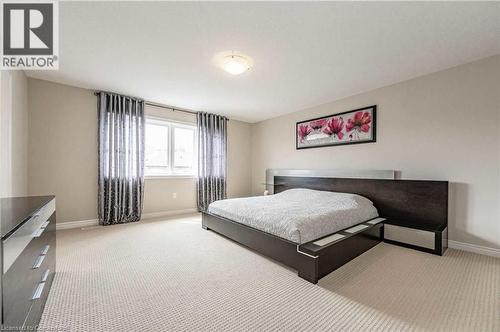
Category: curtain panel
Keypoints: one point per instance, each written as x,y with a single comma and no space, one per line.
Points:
212,155
121,158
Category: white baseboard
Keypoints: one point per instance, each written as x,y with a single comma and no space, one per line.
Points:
76,224
162,214
95,222
474,248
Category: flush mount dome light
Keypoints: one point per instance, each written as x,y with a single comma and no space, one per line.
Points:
235,64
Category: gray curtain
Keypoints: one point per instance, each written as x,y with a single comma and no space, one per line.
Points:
121,158
212,146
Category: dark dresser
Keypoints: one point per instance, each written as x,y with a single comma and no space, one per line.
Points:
28,259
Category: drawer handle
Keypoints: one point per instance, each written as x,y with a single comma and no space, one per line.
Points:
38,232
38,262
38,291
45,224
45,250
45,275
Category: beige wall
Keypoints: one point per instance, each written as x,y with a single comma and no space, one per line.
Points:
14,134
239,161
63,148
443,126
63,154
5,129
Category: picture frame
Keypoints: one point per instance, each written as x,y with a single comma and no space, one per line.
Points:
351,127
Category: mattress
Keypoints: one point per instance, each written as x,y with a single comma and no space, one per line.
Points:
298,215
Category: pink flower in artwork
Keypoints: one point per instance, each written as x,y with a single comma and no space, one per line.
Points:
317,124
361,122
335,127
303,131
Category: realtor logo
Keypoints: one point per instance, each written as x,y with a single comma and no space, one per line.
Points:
30,35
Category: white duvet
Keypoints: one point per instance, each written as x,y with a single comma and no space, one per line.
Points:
298,215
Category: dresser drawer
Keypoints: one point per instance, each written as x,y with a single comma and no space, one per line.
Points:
26,272
14,245
40,294
42,287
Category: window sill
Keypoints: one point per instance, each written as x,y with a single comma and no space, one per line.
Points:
166,177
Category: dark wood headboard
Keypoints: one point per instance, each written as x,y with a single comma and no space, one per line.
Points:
405,201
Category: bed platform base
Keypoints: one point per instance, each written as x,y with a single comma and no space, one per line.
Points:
312,260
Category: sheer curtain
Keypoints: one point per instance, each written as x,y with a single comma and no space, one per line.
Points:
121,158
212,146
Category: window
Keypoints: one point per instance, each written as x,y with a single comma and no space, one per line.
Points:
170,148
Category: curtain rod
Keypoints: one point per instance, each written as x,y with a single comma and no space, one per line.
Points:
173,109
150,103
168,107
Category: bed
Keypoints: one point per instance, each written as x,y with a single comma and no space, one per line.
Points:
299,215
317,224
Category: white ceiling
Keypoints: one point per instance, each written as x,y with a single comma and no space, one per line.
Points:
305,54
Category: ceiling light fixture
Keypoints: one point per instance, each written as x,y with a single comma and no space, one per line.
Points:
235,64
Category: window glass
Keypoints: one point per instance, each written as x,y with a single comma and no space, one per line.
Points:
170,148
184,148
156,146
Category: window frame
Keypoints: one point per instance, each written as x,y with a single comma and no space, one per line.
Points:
171,125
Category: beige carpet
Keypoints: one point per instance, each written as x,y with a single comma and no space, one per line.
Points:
171,275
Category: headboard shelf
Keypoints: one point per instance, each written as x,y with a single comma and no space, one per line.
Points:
406,202
416,225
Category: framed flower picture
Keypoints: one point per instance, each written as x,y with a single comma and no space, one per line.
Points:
351,127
